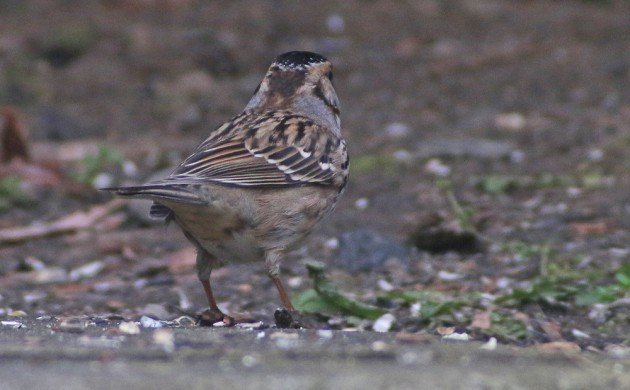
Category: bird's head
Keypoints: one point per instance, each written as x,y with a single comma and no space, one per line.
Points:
301,82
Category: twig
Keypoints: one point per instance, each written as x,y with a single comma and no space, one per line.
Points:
71,223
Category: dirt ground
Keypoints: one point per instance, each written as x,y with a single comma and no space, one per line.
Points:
490,166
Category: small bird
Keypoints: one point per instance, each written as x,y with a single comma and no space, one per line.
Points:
261,181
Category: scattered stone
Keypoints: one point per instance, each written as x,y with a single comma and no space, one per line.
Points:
50,275
250,325
384,285
73,325
456,337
435,167
490,345
578,334
513,121
365,250
450,276
335,23
397,130
17,313
87,271
13,324
148,322
384,323
414,309
361,203
325,334
129,327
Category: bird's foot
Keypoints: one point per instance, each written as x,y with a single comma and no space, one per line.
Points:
210,316
286,319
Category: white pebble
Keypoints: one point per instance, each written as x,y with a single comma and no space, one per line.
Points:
445,275
510,121
385,285
129,327
435,167
490,345
362,203
402,155
148,322
396,130
325,334
103,180
384,323
456,337
414,309
332,243
579,334
595,154
335,23
87,271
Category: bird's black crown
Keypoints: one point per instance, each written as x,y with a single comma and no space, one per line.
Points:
299,59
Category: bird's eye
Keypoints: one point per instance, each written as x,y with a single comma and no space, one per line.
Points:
329,75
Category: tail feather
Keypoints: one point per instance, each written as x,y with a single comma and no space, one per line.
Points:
174,192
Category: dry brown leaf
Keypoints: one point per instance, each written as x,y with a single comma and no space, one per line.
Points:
586,228
559,346
76,221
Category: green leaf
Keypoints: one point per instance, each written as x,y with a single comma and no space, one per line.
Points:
327,300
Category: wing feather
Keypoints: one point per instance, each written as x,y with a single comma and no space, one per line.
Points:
274,148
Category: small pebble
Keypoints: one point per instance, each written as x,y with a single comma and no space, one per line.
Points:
148,322
335,23
384,323
13,324
436,167
456,337
384,285
325,334
445,275
490,345
414,309
88,270
396,130
362,203
579,334
129,327
510,121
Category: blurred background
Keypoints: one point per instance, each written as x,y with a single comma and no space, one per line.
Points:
489,147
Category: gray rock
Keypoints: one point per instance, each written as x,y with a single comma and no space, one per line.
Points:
363,250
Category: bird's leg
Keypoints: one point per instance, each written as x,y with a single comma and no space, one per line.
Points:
287,317
204,269
284,298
